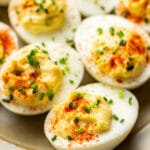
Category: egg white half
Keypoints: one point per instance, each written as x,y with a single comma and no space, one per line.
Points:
63,35
94,7
85,34
118,131
56,52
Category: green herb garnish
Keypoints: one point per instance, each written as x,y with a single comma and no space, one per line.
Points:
115,117
120,34
2,59
54,138
32,59
76,120
87,109
50,94
63,60
71,81
41,96
22,90
34,86
73,105
69,137
100,31
80,130
112,31
130,100
6,100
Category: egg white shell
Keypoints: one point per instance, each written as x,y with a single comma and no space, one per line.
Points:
56,51
85,34
145,26
4,2
118,131
72,20
90,8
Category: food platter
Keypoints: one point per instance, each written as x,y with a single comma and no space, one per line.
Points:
28,132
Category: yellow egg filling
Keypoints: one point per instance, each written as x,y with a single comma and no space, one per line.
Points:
82,118
119,53
135,10
32,79
39,16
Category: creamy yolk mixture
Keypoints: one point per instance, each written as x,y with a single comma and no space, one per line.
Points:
38,16
32,79
82,118
135,10
119,53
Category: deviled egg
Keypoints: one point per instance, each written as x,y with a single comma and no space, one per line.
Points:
114,50
37,75
48,20
94,7
95,117
8,42
137,11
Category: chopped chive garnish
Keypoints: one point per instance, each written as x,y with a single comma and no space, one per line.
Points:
146,20
76,120
102,8
87,109
53,2
121,94
122,42
122,121
17,11
2,59
73,105
50,94
43,44
74,30
112,31
11,97
22,90
63,60
79,95
130,100
67,69
71,81
32,59
45,51
100,31
10,88
115,117
54,138
34,87
69,137
120,34
6,100
70,41
80,130
110,101
105,98
96,103
129,67
41,96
